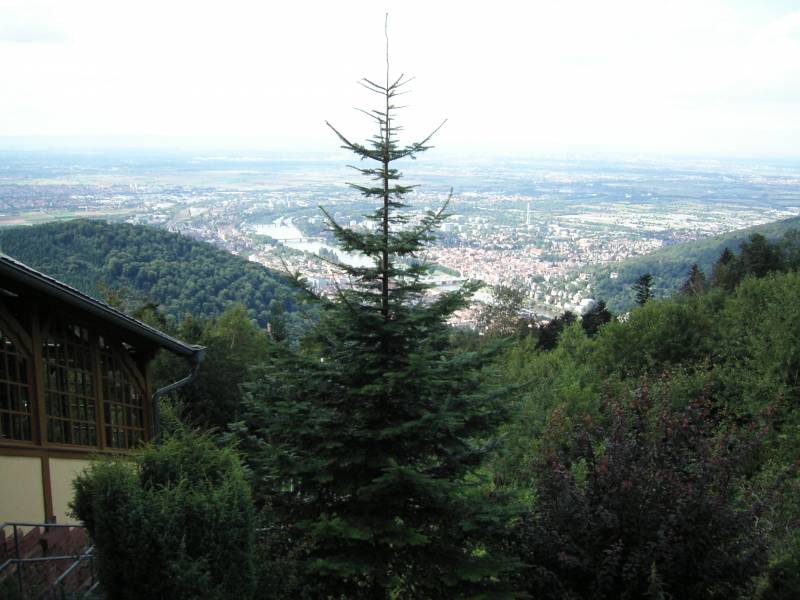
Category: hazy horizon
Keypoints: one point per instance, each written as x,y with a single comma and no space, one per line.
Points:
627,78
238,149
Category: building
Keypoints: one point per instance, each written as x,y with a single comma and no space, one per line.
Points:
74,382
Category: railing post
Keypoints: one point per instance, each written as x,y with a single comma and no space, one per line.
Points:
59,587
19,563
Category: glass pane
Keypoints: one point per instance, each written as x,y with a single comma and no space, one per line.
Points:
69,393
55,432
23,399
5,425
124,412
13,395
16,427
15,410
11,372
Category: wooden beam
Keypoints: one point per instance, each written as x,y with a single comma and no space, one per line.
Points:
148,405
81,452
38,392
97,375
47,490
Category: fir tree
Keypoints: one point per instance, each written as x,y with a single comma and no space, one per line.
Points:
549,334
760,257
695,282
726,271
595,318
643,289
366,442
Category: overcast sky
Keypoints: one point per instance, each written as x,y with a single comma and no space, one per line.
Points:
696,77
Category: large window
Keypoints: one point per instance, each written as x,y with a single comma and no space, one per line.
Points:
16,402
91,392
123,402
69,386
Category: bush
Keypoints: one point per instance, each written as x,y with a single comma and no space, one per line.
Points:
658,335
647,505
174,522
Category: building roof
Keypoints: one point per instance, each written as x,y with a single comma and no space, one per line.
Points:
12,269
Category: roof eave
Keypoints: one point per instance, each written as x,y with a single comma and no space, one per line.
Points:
48,285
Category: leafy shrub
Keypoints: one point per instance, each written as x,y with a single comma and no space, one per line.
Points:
657,335
174,522
646,505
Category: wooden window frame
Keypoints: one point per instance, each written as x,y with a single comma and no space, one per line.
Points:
70,384
22,341
131,378
135,373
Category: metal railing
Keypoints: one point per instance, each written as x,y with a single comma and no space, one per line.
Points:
18,560
60,583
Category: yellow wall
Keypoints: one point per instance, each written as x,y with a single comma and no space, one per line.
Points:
21,494
62,472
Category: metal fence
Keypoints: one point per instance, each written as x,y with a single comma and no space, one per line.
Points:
54,582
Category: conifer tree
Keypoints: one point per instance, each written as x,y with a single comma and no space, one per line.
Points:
642,289
759,256
726,272
595,318
695,282
549,334
366,443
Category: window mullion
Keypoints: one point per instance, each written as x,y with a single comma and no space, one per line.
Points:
99,391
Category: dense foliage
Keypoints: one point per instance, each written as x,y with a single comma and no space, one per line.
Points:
549,333
143,264
732,343
176,522
234,344
642,499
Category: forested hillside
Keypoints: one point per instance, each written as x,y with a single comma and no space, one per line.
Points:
134,265
660,453
669,266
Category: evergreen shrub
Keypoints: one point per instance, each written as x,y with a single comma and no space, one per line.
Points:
175,521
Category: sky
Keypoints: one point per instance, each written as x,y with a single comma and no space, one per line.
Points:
639,77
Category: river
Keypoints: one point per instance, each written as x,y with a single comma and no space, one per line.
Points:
283,230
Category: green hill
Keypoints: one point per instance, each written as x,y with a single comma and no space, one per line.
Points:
670,266
143,264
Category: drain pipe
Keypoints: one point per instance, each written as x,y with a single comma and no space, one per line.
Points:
194,363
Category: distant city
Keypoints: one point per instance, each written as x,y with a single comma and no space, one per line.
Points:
534,224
